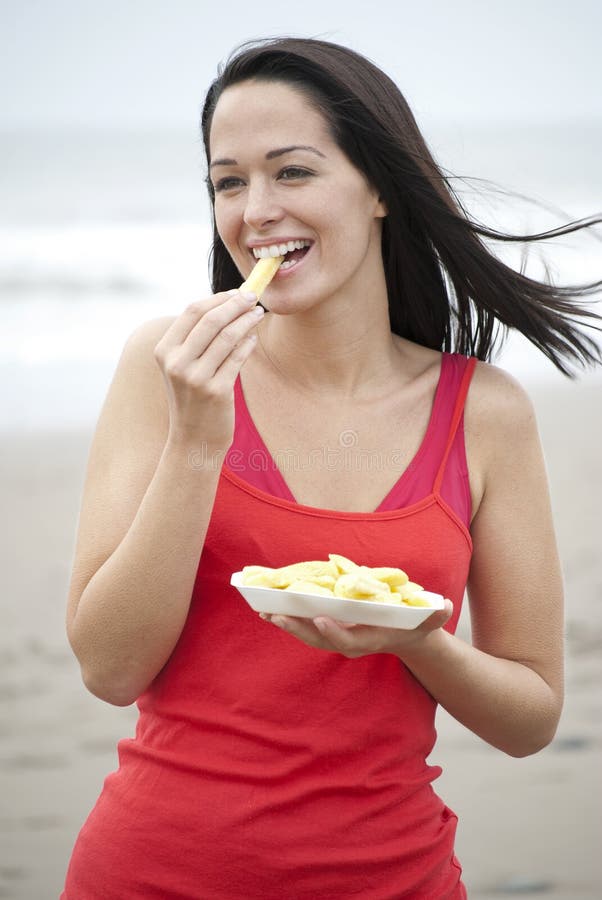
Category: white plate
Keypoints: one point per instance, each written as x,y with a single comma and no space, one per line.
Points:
362,612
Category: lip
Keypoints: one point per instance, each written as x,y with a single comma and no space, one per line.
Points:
281,273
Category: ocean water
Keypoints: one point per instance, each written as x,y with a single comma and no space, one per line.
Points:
100,231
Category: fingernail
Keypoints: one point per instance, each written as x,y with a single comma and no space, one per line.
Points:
279,621
320,625
249,296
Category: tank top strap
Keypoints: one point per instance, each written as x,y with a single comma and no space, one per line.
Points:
458,411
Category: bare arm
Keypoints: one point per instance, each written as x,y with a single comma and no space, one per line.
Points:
145,508
507,687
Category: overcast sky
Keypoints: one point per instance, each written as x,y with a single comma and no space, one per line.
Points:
147,63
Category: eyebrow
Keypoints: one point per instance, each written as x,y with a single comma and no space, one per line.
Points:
272,154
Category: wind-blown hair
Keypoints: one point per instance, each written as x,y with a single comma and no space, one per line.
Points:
446,289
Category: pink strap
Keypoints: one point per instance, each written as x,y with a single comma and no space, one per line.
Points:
456,418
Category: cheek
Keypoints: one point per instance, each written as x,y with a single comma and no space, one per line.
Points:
227,222
221,223
345,216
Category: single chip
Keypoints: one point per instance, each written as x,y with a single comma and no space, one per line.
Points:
255,570
266,578
311,569
343,564
359,585
323,580
417,599
261,275
408,589
392,577
310,587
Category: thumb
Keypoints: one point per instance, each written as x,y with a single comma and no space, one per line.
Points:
438,618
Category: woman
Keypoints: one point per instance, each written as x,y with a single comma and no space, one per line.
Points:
290,760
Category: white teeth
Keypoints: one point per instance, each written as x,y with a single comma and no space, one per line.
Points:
279,249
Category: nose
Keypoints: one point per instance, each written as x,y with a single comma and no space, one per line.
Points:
261,207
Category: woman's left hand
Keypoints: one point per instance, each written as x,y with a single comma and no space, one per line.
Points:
352,641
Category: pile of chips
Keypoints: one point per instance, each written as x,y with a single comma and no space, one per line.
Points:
339,577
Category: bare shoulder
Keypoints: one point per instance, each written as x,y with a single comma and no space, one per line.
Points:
153,329
499,426
135,408
135,411
137,363
142,341
497,404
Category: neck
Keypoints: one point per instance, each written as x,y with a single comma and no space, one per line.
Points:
339,349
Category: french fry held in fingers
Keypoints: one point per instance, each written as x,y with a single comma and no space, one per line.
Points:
263,272
340,577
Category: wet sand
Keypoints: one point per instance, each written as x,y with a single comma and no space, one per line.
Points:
528,827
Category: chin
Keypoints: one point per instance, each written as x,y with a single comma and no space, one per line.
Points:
280,307
289,303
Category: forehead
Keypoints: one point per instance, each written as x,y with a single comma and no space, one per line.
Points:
258,113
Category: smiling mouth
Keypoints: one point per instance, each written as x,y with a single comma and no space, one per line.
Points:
293,251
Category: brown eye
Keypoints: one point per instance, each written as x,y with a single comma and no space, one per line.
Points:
293,172
225,183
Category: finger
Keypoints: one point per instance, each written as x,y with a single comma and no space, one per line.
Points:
306,630
225,376
182,326
219,315
224,357
221,330
303,629
358,641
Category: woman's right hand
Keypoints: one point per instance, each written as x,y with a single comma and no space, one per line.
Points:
200,356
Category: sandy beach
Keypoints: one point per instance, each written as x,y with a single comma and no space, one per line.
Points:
528,827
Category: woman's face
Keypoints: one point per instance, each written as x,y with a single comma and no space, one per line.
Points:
279,177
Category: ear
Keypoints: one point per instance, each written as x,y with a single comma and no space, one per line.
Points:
381,211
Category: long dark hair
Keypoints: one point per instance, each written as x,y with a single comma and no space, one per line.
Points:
446,289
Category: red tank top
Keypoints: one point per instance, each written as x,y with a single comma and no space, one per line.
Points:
249,457
262,768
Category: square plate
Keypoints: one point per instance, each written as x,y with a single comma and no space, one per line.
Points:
361,612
